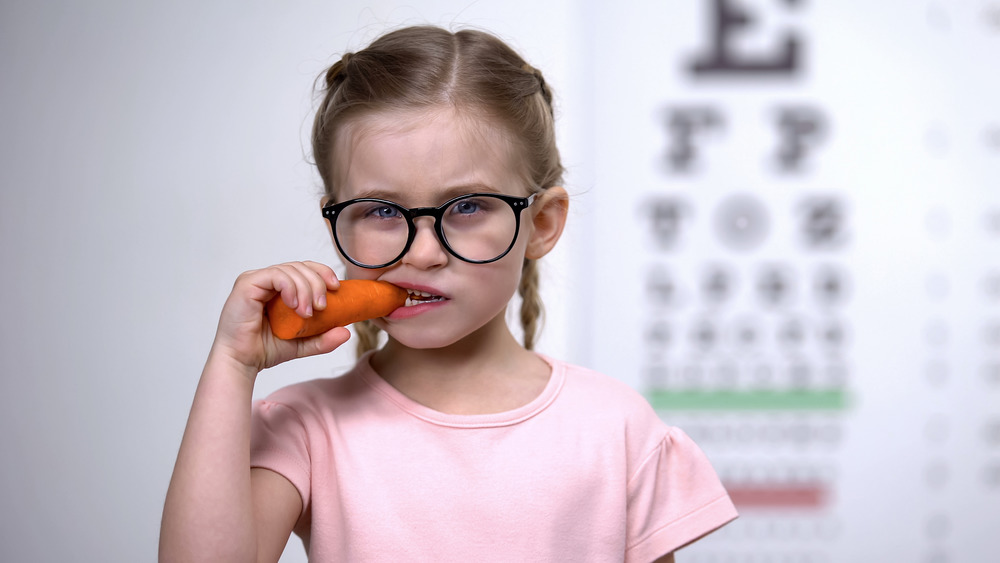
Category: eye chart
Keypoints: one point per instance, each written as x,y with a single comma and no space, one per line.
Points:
800,201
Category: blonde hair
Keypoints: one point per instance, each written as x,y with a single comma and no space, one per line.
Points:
422,67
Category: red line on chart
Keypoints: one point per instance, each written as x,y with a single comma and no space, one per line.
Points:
778,496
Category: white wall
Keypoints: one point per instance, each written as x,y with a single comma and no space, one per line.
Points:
898,194
150,153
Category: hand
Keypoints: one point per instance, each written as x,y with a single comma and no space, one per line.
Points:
244,334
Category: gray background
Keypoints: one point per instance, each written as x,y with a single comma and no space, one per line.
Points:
150,152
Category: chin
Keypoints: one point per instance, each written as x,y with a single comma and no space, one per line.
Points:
444,332
424,341
421,339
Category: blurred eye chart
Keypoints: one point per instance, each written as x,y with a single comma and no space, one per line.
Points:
797,211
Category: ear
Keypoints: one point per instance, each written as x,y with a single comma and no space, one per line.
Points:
549,217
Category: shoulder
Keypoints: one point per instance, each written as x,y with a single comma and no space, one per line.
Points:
598,389
316,395
601,402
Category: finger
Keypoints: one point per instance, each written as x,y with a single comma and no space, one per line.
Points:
326,272
255,284
329,280
319,278
323,343
295,280
284,284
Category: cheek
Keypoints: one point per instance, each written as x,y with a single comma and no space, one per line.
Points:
353,272
503,276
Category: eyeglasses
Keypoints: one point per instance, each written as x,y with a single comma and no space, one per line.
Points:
476,228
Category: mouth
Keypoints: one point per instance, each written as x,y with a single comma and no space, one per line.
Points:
421,297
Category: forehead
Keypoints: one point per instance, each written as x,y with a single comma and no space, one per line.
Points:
418,156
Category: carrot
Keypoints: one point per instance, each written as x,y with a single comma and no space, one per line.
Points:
355,300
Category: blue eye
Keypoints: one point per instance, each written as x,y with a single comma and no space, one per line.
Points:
467,206
382,211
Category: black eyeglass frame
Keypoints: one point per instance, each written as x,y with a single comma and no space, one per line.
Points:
332,211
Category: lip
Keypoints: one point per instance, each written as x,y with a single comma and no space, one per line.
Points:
419,287
414,310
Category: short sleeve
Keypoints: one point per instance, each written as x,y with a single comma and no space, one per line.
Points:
279,442
674,498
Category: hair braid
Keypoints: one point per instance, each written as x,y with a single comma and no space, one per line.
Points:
367,334
531,302
338,71
543,87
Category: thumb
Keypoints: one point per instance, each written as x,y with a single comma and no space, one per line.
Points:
323,343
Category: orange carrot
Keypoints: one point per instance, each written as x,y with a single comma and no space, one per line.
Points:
355,300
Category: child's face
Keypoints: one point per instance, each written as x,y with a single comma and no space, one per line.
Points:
422,159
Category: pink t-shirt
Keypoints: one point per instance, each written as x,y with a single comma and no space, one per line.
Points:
585,472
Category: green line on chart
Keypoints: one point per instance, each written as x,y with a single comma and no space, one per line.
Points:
785,400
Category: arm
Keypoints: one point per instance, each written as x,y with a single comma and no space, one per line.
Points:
668,558
217,509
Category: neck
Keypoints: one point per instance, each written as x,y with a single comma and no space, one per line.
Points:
487,372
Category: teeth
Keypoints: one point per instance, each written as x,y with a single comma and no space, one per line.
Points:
418,297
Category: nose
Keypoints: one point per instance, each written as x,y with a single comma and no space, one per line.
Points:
426,251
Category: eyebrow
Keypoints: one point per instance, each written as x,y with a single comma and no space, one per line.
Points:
445,195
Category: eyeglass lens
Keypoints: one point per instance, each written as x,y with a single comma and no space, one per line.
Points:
477,228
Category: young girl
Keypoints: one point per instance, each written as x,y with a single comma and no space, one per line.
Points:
452,441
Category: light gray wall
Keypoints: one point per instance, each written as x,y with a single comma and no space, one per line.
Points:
150,153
